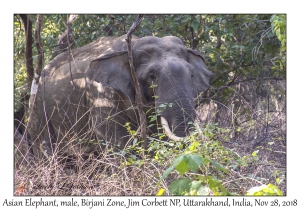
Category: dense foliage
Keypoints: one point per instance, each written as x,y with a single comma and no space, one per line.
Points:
245,108
236,47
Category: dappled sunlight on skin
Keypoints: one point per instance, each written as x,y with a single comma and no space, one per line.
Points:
88,52
102,101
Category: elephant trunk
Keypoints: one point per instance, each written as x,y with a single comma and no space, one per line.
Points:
181,119
180,116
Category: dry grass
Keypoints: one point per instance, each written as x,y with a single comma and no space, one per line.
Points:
111,174
105,176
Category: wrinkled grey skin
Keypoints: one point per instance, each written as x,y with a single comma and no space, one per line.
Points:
96,107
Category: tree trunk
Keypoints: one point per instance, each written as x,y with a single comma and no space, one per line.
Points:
28,48
39,47
19,115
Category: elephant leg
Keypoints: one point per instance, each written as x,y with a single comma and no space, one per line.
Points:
39,146
40,133
23,154
111,132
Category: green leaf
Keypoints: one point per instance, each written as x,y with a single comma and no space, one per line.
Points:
194,145
153,118
180,164
203,190
167,172
219,167
162,105
195,24
269,189
180,186
133,157
254,154
195,185
160,192
279,180
188,161
149,126
275,189
215,185
195,161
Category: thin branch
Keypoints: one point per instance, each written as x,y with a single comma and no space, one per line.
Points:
39,47
138,96
221,88
62,42
164,24
248,80
70,20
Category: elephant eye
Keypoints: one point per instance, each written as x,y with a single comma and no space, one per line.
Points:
152,76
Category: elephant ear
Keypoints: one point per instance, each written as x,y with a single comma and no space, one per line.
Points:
113,70
201,75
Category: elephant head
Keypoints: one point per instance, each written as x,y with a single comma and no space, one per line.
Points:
168,73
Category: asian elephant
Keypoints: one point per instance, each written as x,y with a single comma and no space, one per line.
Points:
87,97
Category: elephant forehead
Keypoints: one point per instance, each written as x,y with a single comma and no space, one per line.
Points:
153,47
172,39
155,42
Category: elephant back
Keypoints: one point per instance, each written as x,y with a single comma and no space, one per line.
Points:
78,55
